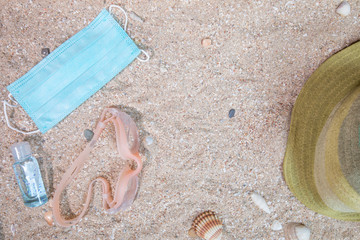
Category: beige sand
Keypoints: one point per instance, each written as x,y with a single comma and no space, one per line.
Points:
260,57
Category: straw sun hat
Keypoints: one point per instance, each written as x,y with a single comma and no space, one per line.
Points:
322,159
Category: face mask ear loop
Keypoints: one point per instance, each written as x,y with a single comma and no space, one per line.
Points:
146,54
7,118
126,17
125,27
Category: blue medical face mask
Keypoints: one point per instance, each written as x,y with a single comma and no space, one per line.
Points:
74,71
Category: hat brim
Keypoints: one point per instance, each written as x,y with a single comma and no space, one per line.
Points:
335,79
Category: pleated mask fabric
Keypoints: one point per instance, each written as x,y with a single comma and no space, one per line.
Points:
74,71
321,156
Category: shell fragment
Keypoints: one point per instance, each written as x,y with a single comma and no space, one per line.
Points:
260,202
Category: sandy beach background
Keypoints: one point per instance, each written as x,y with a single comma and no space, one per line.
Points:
261,54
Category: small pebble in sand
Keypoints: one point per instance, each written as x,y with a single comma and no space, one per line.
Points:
276,226
163,69
48,216
149,140
231,113
45,52
88,134
206,42
343,9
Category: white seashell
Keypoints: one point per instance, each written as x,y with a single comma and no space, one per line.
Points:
302,232
260,202
207,226
343,9
276,226
296,231
135,17
163,69
13,230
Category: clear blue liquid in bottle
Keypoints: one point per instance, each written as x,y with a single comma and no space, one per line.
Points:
28,176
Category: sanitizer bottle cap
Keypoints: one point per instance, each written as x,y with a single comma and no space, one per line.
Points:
20,150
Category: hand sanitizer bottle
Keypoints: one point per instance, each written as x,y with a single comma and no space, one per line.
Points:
28,175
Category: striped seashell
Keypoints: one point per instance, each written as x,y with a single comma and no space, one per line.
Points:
207,226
